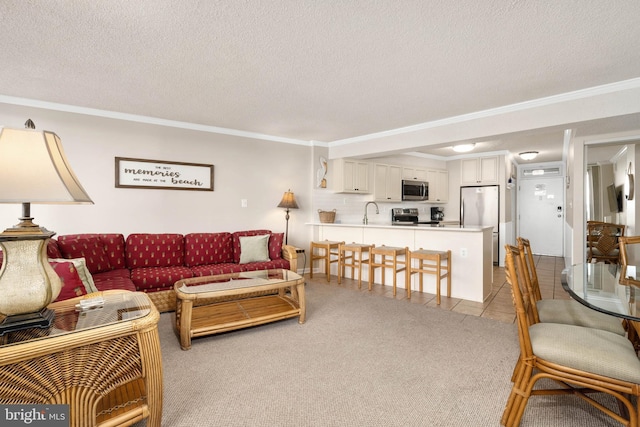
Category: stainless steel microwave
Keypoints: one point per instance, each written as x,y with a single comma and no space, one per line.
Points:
415,190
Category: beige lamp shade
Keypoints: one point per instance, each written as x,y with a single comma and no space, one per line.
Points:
288,201
34,169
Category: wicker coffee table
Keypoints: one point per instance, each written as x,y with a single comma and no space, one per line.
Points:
214,304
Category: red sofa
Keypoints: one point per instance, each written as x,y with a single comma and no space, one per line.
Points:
152,263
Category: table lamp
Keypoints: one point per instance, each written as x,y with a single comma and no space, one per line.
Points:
288,202
33,169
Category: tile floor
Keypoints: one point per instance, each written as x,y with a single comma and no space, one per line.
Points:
498,306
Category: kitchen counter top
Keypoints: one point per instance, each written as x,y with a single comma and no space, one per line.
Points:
439,227
471,251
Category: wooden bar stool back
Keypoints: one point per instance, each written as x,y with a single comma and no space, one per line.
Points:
325,250
432,262
389,257
351,255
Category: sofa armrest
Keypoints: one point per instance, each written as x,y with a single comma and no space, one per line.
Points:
291,253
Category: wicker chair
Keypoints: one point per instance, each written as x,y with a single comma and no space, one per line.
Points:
579,360
633,329
568,312
624,252
602,241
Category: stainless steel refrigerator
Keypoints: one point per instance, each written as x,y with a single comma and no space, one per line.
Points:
480,206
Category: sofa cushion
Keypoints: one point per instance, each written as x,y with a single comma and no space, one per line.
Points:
215,269
207,248
267,265
87,246
53,251
72,285
120,273
236,241
114,279
154,250
158,277
275,245
114,244
254,248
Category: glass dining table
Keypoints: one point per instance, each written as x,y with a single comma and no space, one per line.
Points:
609,288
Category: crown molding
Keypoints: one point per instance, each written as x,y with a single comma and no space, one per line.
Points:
469,155
521,106
25,102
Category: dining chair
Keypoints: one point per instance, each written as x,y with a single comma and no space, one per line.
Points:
569,312
624,241
578,360
602,241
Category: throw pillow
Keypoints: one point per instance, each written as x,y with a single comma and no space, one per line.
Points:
254,248
275,245
235,236
81,266
72,285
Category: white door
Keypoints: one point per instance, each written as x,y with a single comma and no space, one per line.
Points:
541,214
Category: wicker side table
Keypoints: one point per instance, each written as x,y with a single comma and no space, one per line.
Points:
105,363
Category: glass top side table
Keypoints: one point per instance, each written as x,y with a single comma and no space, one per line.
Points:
104,361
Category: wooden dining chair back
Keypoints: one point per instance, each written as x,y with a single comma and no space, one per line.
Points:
524,246
578,360
603,241
624,243
565,311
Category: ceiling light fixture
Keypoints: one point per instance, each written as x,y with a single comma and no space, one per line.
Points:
463,148
528,155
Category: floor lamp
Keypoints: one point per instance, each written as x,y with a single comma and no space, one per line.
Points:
34,169
288,202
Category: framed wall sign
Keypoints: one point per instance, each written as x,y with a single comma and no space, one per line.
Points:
159,174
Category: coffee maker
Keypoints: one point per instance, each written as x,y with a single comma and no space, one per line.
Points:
437,214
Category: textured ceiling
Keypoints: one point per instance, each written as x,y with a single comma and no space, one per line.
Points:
314,70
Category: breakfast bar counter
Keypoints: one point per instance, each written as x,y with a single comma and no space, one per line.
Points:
471,250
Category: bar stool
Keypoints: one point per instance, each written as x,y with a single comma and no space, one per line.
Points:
326,249
431,262
393,262
351,260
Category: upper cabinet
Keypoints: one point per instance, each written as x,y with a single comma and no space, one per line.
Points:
483,170
387,183
413,173
438,185
351,176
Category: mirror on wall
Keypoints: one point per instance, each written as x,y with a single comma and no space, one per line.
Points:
604,186
606,195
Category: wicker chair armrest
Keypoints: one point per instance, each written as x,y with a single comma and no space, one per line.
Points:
290,253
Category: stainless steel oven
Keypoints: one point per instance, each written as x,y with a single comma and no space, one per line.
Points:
415,190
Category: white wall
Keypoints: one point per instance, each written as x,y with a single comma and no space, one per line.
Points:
257,170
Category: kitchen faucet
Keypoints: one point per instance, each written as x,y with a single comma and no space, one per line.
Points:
365,220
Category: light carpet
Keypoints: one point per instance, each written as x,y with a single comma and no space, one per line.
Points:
359,360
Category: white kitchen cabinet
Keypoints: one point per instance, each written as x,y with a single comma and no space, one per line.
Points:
351,176
387,183
481,171
438,180
415,174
